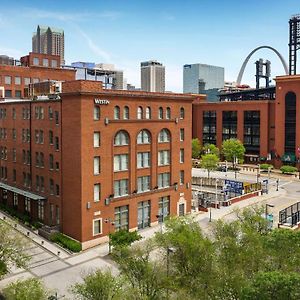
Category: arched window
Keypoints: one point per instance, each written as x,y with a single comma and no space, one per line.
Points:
117,113
164,136
144,137
160,113
140,113
148,112
181,113
126,113
121,138
168,113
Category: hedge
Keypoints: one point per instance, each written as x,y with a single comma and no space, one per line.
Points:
288,169
66,242
266,166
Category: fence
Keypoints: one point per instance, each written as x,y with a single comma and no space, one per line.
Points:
290,216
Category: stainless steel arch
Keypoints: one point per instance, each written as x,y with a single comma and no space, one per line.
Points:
239,79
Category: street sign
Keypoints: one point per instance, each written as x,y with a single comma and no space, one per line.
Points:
234,186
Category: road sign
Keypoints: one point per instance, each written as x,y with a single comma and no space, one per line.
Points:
234,186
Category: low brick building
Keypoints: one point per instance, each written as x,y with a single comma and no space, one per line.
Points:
95,154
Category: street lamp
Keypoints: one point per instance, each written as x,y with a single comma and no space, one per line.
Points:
109,221
226,169
217,191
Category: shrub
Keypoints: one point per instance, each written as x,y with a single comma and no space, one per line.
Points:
288,169
66,242
266,166
123,238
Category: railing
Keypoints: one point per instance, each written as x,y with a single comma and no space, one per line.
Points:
290,216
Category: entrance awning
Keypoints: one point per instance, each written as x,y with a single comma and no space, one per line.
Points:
288,157
21,192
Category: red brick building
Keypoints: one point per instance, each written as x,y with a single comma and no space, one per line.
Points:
269,128
97,154
33,68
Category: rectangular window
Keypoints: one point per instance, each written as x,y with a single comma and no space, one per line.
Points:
121,187
143,214
181,134
54,63
163,208
8,94
143,160
14,134
163,158
14,115
18,94
7,79
26,81
41,137
36,61
50,137
14,153
27,204
97,191
96,165
50,113
42,184
181,177
14,175
121,217
96,113
56,143
96,139
143,184
57,191
36,80
51,186
15,199
97,228
40,210
56,117
45,62
17,80
181,158
51,162
163,180
121,162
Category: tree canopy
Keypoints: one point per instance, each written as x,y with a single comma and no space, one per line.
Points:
196,148
209,162
233,149
211,149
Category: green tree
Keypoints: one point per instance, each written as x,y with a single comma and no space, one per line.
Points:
123,238
30,289
196,148
209,162
211,149
273,286
100,285
232,150
145,277
12,248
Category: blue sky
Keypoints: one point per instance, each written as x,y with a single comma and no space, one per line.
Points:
126,32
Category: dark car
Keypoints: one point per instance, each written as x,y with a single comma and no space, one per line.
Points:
222,169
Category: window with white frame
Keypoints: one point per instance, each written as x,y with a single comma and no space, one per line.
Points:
120,162
17,80
126,113
96,139
97,227
41,210
143,137
143,184
27,204
163,180
163,157
168,113
117,113
181,158
7,79
121,138
181,134
96,113
164,136
160,113
97,192
163,207
96,165
121,187
181,177
140,113
143,160
148,113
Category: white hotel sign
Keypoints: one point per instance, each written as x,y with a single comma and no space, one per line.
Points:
101,101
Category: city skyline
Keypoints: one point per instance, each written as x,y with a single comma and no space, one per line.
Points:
214,33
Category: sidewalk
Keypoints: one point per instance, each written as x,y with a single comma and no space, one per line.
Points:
33,236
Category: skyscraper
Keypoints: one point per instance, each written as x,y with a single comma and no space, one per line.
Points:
49,40
152,76
203,79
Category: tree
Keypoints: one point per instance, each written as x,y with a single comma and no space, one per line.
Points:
12,249
209,162
273,286
233,149
30,289
123,238
211,149
100,285
196,148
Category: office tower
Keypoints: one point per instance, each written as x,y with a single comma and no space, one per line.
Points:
152,76
49,40
203,79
